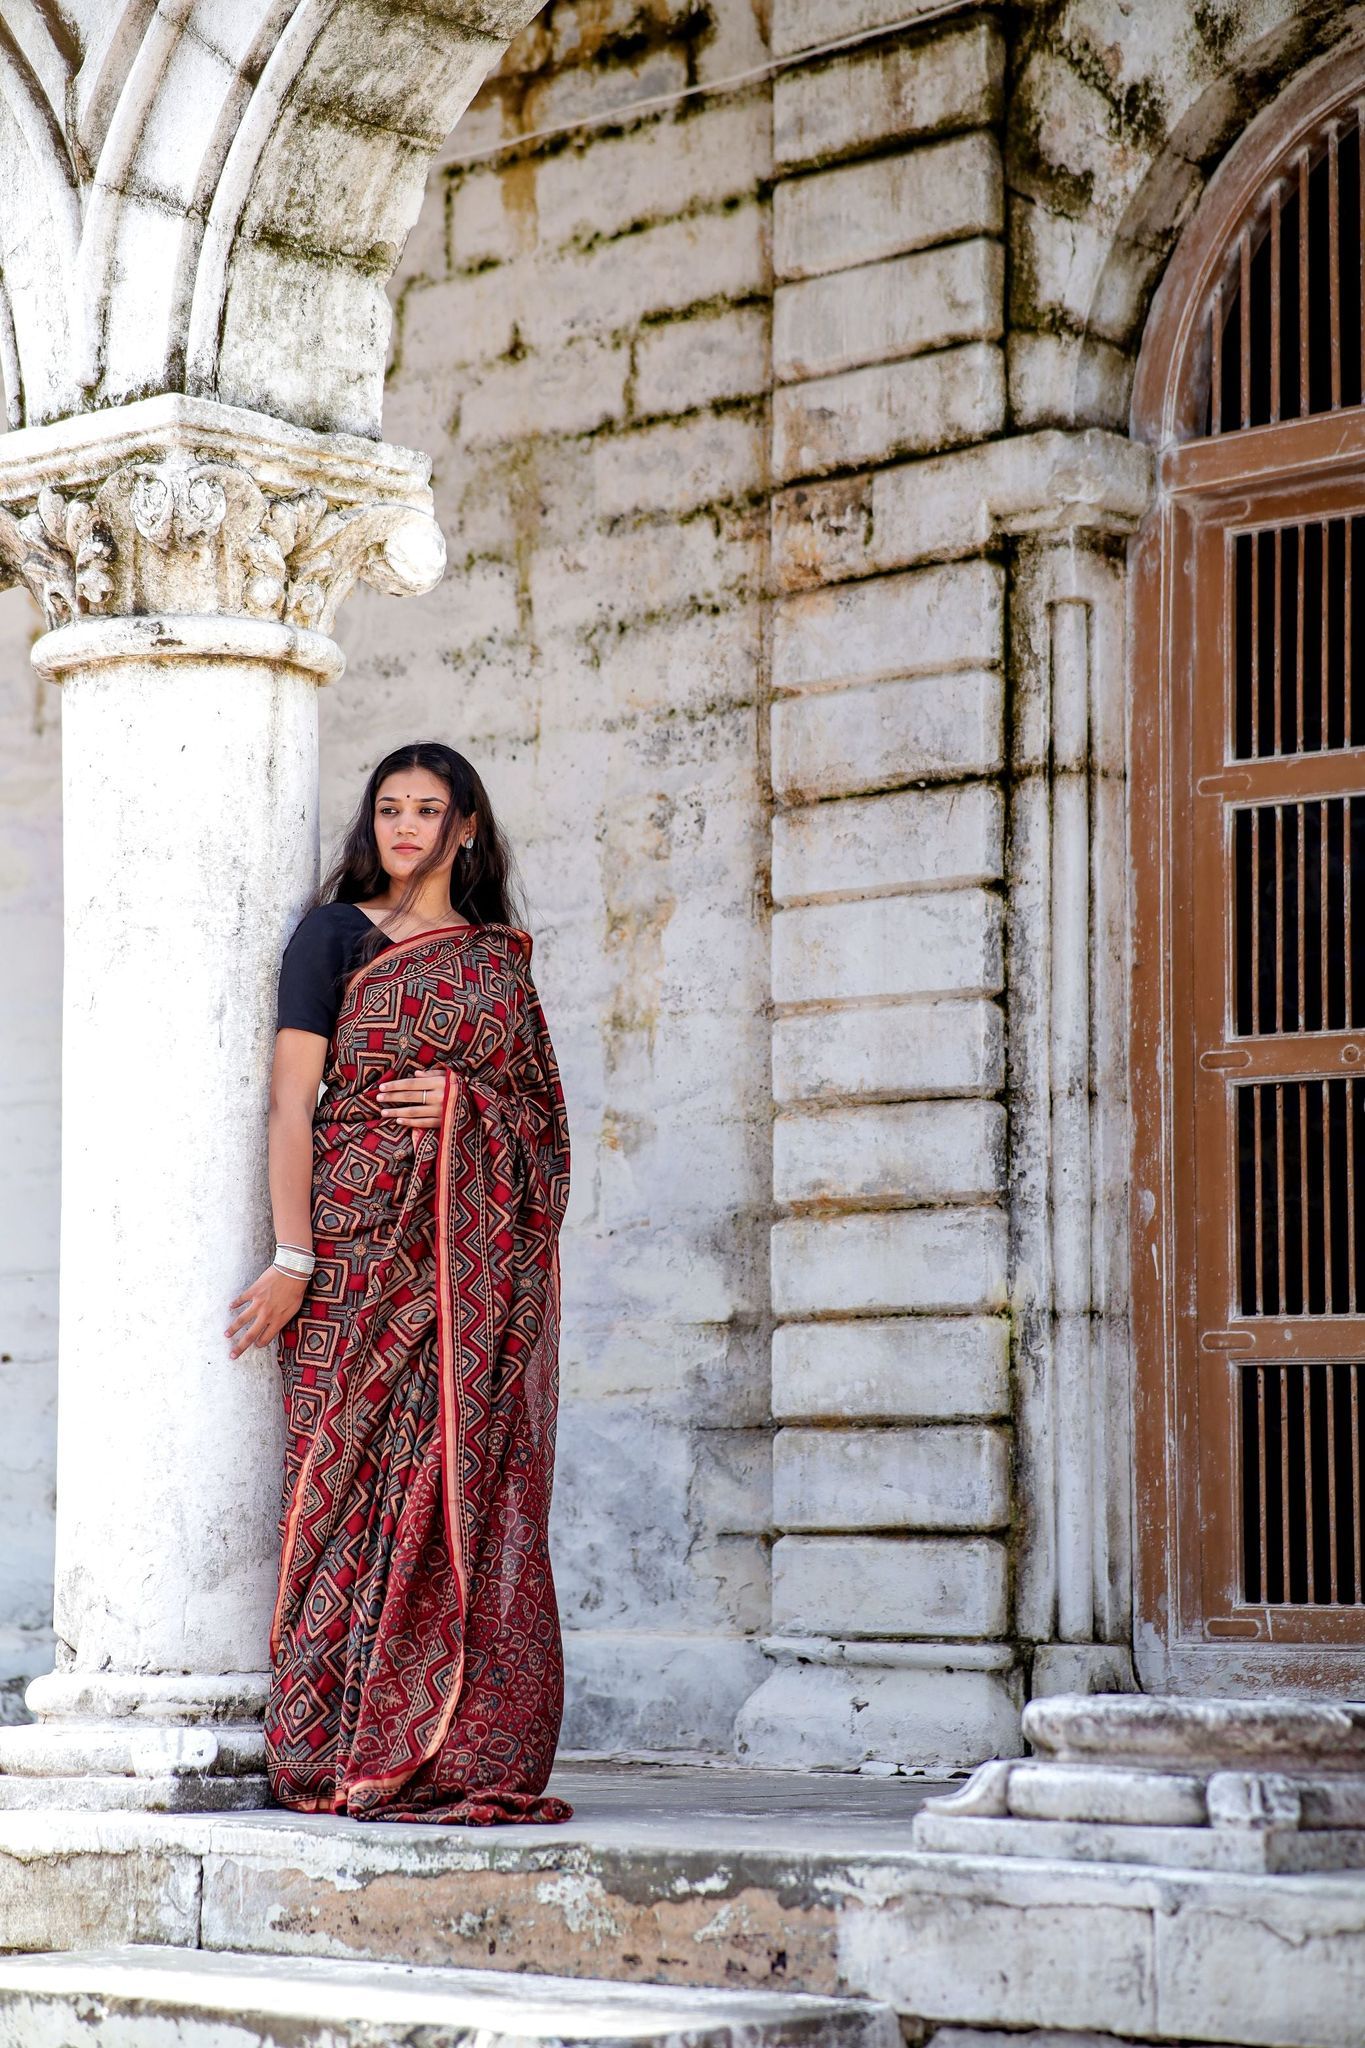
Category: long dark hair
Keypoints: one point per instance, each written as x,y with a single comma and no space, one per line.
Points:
483,881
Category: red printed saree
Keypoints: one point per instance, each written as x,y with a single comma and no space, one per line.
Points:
417,1670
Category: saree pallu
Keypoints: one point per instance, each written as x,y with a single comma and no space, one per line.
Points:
417,1669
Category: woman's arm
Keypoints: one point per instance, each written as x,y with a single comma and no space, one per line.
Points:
295,1078
268,1304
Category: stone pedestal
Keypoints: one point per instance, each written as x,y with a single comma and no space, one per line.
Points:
190,564
1274,1785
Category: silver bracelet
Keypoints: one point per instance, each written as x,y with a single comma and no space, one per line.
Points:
291,1259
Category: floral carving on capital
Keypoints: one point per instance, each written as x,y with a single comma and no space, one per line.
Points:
179,534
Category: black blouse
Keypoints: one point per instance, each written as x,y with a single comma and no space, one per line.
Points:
329,945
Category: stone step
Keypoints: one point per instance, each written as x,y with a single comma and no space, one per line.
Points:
737,1881
185,1998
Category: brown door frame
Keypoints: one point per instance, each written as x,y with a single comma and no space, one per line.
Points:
1193,1633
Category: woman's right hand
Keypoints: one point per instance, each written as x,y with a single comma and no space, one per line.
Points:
266,1306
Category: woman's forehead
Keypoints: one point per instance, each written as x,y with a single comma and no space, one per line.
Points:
416,782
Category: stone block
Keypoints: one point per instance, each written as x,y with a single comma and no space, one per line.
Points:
594,31
483,600
90,1893
1214,1979
816,1715
1031,1947
587,92
798,24
452,323
822,532
1103,1794
948,942
903,307
195,86
1072,272
678,465
865,212
682,364
678,568
699,158
381,70
629,1556
905,89
892,1369
836,742
890,1152
906,1586
1066,380
569,390
636,1690
488,218
909,839
1082,1667
1035,483
921,1477
959,504
950,616
694,667
663,269
930,1260
940,1047
350,189
891,409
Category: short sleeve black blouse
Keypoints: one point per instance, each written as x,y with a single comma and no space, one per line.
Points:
332,941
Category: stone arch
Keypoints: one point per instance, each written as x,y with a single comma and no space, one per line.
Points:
198,192
1120,117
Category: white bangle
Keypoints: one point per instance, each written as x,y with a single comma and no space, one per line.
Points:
298,1264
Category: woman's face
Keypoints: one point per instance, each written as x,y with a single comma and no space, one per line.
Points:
409,817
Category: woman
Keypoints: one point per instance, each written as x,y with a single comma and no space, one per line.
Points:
416,1659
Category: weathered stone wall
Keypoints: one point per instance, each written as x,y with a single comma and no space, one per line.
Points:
582,342
779,445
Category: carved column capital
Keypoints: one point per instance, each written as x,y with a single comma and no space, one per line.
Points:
181,506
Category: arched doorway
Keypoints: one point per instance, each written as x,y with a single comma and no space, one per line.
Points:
1248,695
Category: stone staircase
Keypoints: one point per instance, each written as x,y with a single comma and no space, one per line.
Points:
154,1997
132,1929
751,1889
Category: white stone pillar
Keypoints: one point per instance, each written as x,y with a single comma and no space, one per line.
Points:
199,554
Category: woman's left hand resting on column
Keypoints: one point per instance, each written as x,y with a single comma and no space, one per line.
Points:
266,1306
261,1310
414,1099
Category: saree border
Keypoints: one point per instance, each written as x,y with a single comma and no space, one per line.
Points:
399,948
448,1422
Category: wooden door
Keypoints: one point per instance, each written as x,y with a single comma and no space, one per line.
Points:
1248,829
1271,990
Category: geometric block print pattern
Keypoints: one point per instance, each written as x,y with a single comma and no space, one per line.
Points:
417,1668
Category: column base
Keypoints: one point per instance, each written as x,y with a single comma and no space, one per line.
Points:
151,1742
867,1705
1081,1667
1272,1785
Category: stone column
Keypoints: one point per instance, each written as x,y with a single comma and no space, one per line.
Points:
190,558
